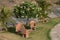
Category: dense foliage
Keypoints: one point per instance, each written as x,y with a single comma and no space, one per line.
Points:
27,9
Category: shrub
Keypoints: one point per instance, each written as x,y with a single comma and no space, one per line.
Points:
27,9
4,16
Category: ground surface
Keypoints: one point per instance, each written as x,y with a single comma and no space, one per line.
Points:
55,32
41,33
9,36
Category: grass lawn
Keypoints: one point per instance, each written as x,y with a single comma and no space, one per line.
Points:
42,32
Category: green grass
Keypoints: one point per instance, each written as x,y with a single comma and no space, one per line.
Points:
41,33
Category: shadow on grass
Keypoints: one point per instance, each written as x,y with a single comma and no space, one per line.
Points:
11,29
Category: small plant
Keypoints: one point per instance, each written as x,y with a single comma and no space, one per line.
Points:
45,8
4,16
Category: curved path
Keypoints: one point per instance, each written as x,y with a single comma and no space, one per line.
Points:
55,32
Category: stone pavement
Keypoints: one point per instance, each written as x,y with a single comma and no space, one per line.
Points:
55,32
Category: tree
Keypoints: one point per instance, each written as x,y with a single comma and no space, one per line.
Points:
4,16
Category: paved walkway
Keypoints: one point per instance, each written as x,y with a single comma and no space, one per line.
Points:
55,32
